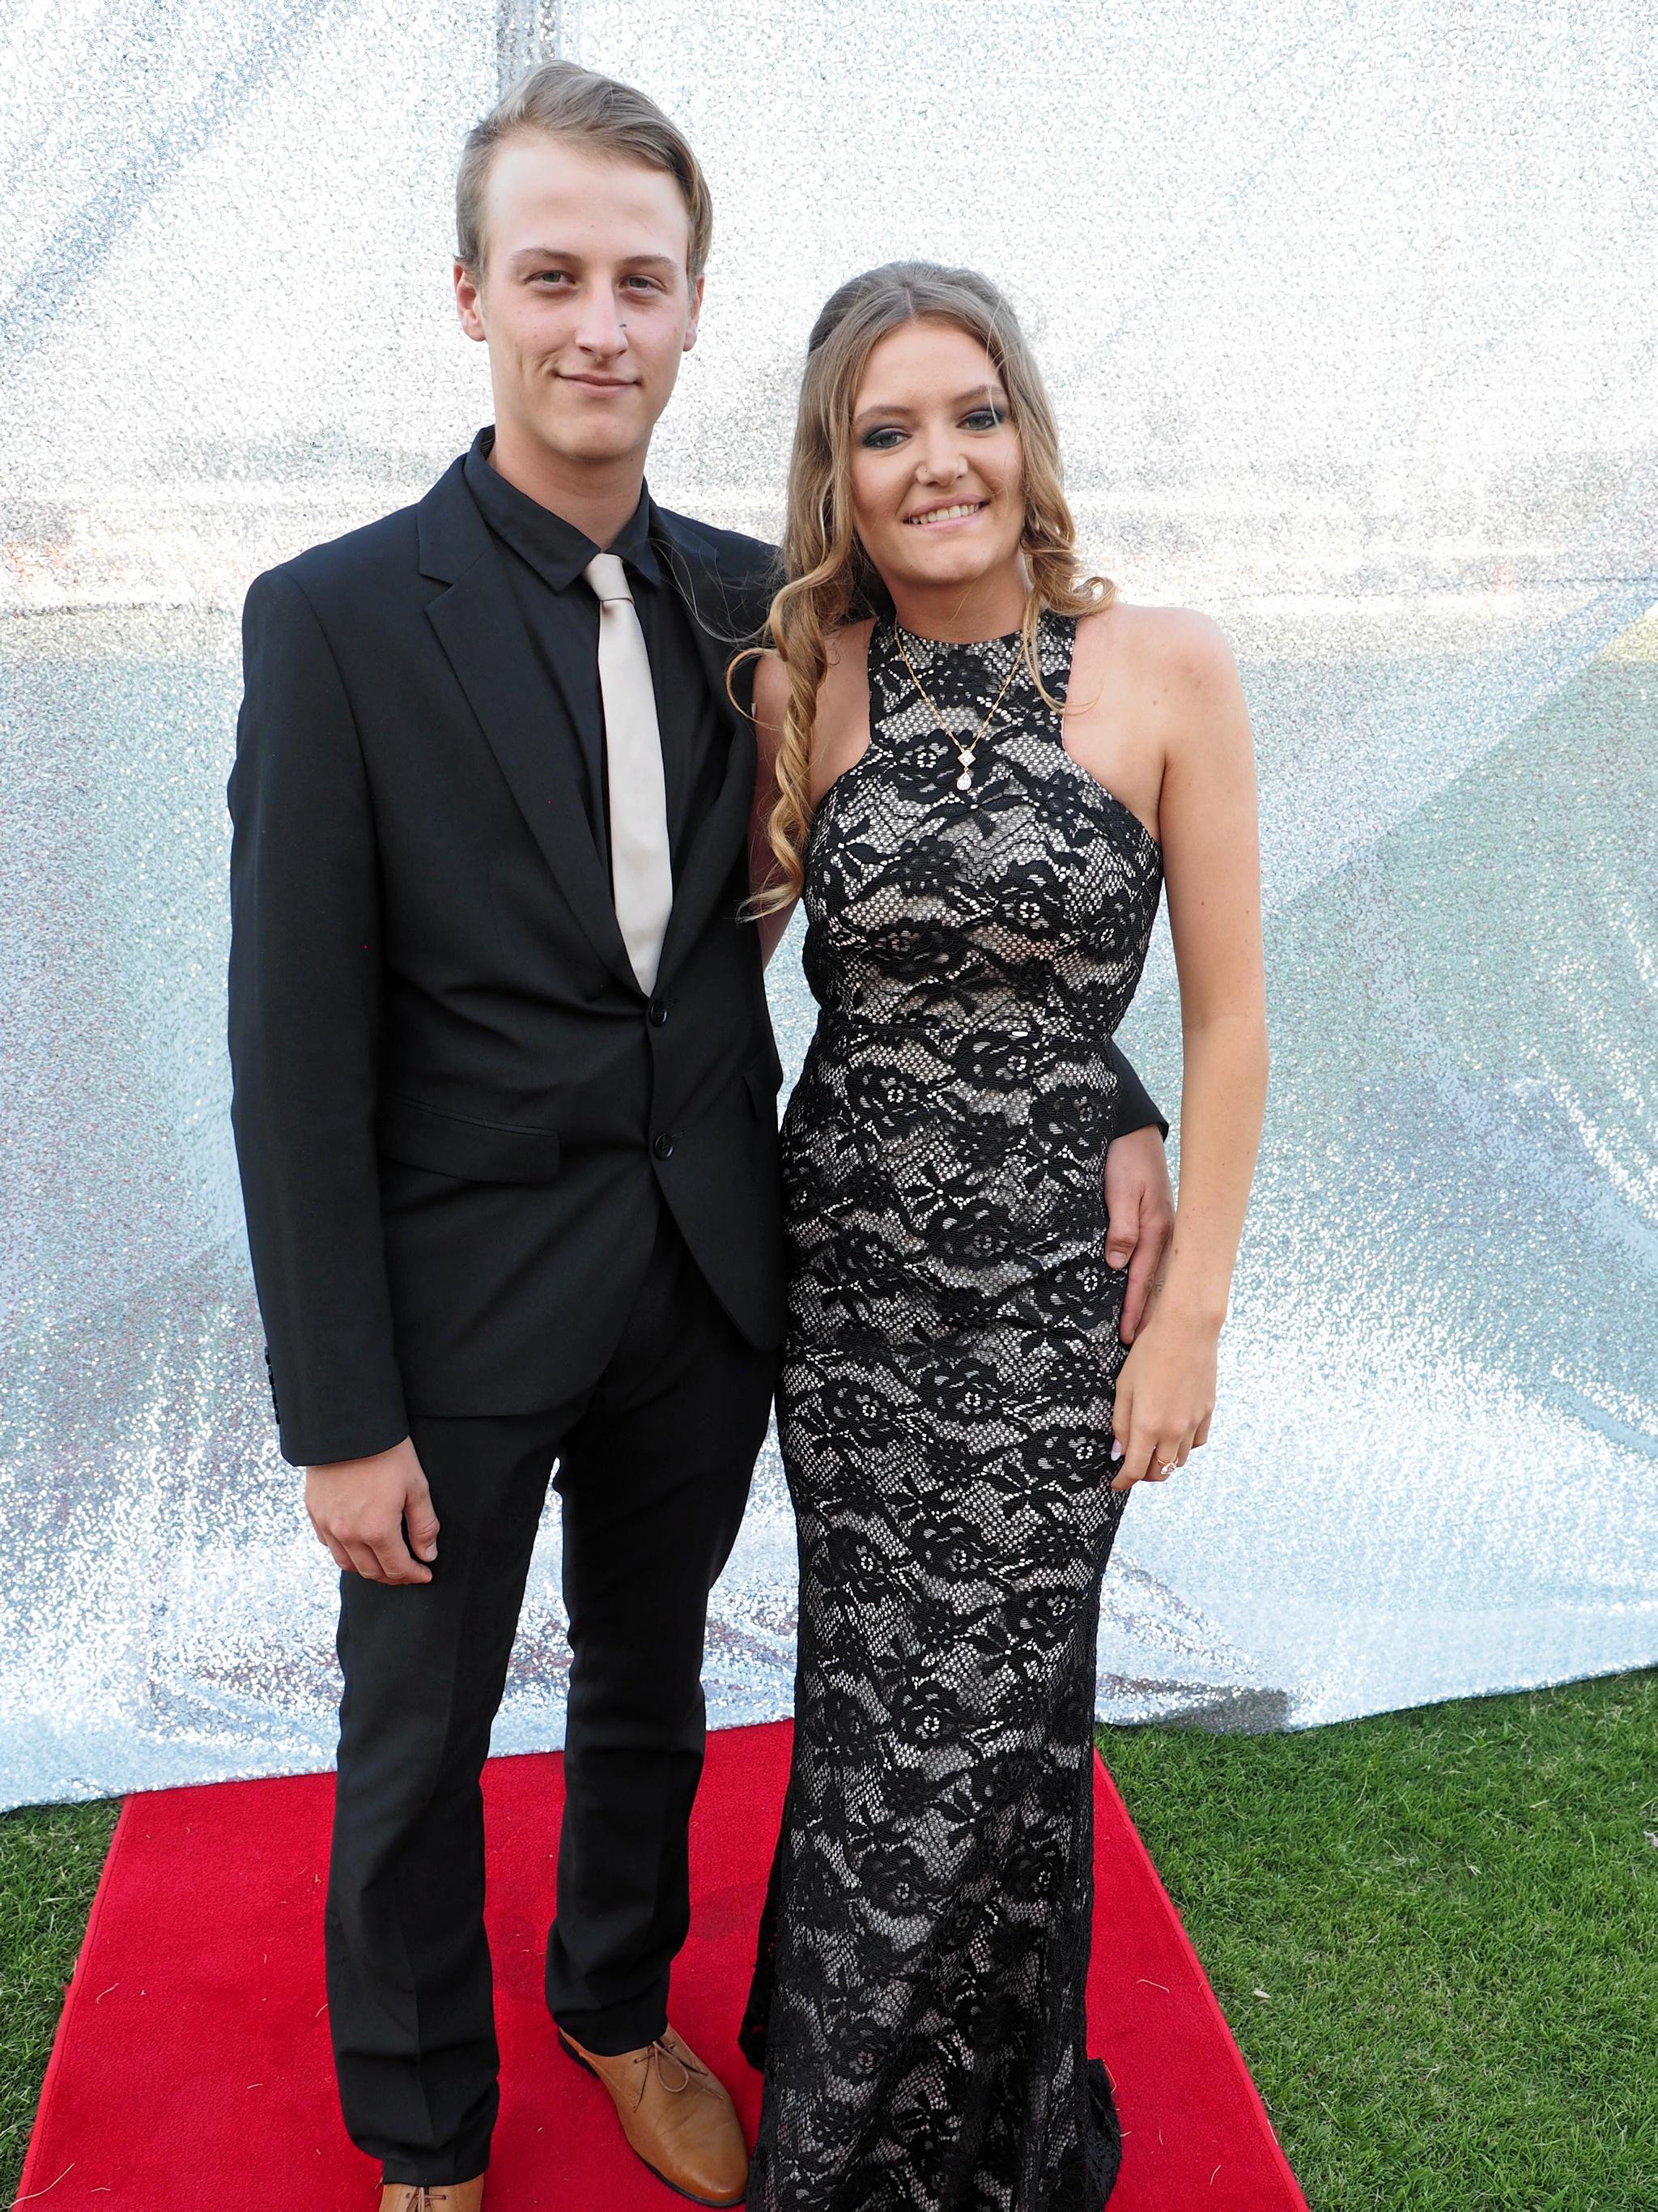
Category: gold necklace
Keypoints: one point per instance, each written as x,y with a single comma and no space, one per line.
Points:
964,752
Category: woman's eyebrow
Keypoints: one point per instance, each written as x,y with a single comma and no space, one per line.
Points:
993,391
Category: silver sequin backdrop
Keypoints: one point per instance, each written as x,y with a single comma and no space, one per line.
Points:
1348,313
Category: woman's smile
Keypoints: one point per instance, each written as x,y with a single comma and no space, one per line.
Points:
941,518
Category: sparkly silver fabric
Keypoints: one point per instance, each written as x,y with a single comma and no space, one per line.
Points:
1347,315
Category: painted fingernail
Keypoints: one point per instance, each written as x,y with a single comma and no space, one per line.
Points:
1116,1448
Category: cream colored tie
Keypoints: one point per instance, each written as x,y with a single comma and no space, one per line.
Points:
641,878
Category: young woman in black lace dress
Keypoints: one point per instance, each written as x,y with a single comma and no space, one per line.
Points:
980,771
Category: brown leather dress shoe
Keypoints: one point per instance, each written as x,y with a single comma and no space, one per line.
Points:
677,2117
433,2195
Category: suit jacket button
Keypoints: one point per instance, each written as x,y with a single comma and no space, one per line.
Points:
656,1013
663,1147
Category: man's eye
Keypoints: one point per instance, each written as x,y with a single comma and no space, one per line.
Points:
550,275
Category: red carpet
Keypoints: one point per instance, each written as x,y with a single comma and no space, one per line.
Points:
191,2071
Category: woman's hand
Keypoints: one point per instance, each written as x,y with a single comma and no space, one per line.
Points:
1165,1396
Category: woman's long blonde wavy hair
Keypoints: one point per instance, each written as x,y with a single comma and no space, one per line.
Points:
829,578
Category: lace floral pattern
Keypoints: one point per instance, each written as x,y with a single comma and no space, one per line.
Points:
944,1416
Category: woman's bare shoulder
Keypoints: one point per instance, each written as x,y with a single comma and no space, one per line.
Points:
1180,645
771,686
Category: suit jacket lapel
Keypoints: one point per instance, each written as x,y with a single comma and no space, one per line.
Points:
715,850
479,628
722,834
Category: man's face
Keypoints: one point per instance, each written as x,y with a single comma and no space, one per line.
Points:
584,303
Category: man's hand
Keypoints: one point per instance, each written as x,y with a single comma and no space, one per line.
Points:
1140,1208
358,1509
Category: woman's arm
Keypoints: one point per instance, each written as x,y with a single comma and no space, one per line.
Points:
1211,860
771,692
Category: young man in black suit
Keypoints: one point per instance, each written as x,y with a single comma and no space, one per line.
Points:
505,1104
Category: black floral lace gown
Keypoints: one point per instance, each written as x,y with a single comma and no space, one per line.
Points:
943,1411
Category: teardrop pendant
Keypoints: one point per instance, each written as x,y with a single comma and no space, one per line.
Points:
965,780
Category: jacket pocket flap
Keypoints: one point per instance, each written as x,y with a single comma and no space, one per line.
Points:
474,1151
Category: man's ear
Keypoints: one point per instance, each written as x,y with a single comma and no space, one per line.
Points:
696,314
469,295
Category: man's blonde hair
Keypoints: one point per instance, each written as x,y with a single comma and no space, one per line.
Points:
565,100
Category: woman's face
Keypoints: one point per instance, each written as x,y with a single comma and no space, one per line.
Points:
937,476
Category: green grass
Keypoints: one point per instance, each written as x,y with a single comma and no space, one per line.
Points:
50,1857
1453,1913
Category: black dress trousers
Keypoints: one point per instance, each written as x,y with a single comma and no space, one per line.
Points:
655,1462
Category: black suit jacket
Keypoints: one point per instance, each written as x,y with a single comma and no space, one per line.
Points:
453,1106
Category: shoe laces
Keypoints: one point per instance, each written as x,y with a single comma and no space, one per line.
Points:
423,2196
663,2055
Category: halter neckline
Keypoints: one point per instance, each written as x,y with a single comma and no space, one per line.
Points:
920,637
